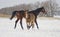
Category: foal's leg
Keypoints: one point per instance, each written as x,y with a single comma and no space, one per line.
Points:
28,25
32,24
16,23
21,23
36,24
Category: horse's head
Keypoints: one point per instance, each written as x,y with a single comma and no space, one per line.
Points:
43,10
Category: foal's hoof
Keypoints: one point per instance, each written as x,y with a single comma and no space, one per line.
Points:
28,27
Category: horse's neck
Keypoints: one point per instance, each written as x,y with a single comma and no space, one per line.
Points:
37,12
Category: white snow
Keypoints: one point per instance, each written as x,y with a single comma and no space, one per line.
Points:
47,28
56,16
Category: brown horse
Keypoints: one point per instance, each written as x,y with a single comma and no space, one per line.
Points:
19,15
33,15
30,19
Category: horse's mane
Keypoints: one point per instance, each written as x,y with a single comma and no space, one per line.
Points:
36,11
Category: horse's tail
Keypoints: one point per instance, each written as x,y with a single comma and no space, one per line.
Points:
13,14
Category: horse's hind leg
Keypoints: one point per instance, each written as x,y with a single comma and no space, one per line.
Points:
21,24
16,23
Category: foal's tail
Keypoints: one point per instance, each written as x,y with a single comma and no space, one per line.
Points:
13,14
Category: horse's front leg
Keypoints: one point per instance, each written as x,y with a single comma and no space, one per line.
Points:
36,24
16,23
21,23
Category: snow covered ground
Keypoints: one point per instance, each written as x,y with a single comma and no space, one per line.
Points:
47,28
57,16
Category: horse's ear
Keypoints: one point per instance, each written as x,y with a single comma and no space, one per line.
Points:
42,7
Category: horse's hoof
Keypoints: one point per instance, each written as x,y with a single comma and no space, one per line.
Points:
10,18
14,27
22,28
38,28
